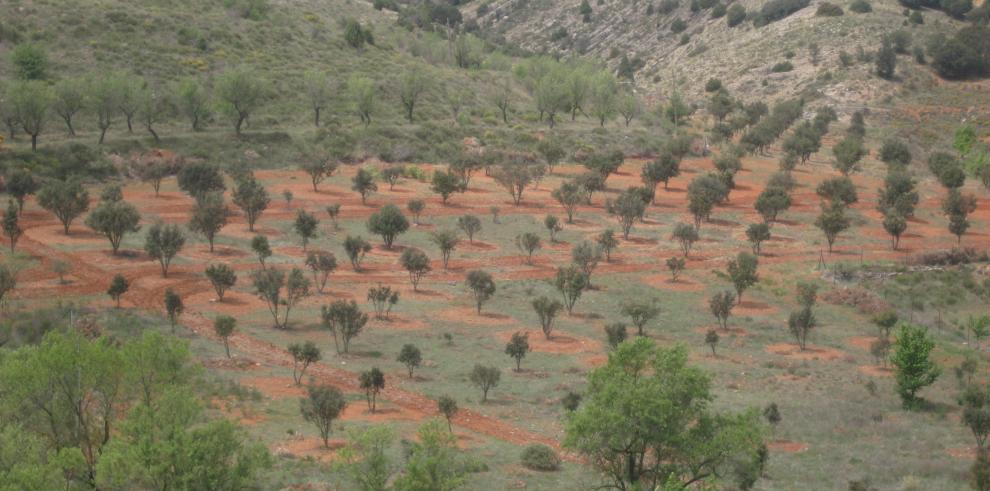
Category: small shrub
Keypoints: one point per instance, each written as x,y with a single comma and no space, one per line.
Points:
782,67
540,457
828,10
860,6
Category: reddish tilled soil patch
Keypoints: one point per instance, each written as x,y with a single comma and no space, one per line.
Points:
968,453
791,350
749,307
875,371
275,387
664,282
559,342
861,342
787,446
234,303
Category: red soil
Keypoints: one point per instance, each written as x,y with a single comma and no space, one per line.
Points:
793,351
787,446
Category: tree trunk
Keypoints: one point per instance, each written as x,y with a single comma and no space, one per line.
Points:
226,347
317,116
154,134
34,142
103,134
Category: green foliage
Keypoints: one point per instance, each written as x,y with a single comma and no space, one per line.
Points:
356,247
345,321
860,6
482,287
321,263
735,15
323,405
373,382
388,222
832,221
199,178
914,368
240,92
721,305
539,457
416,263
114,219
209,216
222,277
434,463
485,378
411,357
826,9
517,347
30,61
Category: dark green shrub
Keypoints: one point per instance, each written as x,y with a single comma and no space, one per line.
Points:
826,9
782,67
540,457
735,15
860,6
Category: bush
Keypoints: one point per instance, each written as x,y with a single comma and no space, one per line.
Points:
957,8
713,85
540,457
718,10
829,10
860,6
965,55
678,26
784,66
735,15
775,10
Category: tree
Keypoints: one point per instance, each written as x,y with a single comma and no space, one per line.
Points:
446,241
629,107
546,310
251,197
848,153
569,195
416,263
163,243
356,248
553,226
957,207
31,102
470,225
675,265
344,321
303,355
839,190
118,287
129,88
445,184
388,222
104,101
268,285
686,235
894,225
757,233
913,367
628,207
518,174
586,255
64,199
552,152
416,207
391,175
411,357
550,97
114,219
223,326
485,378
173,307
383,298
259,244
800,323
517,348
482,287
323,404
321,263
305,225
604,98
412,85
832,221
640,313
980,471
222,277
364,184
193,102
615,334
711,339
317,88
663,169
976,412
742,272
607,243
604,162
886,60
448,408
362,92
152,108
895,153
571,282
198,179
528,243
590,182
704,193
434,461
646,419
11,227
771,201
721,305
372,381
30,61
241,91
21,184
357,36
209,216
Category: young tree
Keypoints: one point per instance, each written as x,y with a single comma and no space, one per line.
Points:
268,285
518,174
209,216
193,102
323,404
839,190
318,166
528,243
391,175
470,225
628,207
913,367
552,152
223,326
957,207
103,101
742,271
69,100
569,195
222,277
21,184
412,86
241,92
586,256
757,233
721,305
321,263
364,184
11,227
482,287
262,250
800,323
894,225
251,197
771,201
373,382
607,243
832,221
675,265
411,357
445,184
608,424
416,263
485,378
640,313
114,219
446,241
305,225
898,194
64,199
886,60
686,235
547,311
173,307
416,207
704,193
318,88
362,92
448,408
517,348
571,282
356,248
388,222
615,334
552,224
287,196
118,287
200,178
383,298
303,355
152,109
163,243
31,102
590,183
344,321
663,169
711,339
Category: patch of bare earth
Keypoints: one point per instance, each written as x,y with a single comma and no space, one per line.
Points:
793,351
